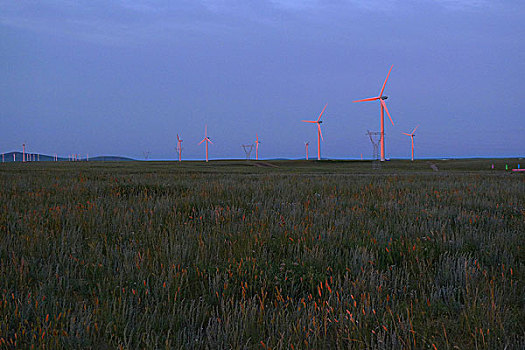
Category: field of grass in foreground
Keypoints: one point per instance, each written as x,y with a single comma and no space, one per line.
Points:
280,255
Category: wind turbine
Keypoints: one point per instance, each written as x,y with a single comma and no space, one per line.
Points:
206,139
382,99
412,137
319,134
306,146
179,147
257,147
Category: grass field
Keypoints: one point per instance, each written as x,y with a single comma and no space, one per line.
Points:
280,255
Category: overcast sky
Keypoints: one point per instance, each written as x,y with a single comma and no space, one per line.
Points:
124,77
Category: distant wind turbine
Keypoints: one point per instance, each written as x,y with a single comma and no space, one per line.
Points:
319,134
412,137
306,146
382,99
257,147
206,139
179,147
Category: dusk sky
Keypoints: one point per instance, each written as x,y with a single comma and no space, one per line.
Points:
109,77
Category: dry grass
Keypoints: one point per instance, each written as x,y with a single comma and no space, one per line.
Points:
311,255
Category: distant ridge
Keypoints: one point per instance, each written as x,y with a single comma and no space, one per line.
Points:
8,158
110,159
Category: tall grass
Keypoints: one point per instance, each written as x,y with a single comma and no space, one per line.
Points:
322,256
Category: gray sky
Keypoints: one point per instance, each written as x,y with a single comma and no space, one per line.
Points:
122,77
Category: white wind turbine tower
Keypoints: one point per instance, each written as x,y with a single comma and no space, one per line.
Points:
257,147
206,139
306,144
381,98
319,133
179,147
412,134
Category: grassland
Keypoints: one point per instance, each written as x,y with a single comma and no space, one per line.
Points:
280,255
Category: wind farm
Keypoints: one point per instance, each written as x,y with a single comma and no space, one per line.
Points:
381,155
124,226
383,108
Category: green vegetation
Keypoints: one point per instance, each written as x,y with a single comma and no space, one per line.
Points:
280,255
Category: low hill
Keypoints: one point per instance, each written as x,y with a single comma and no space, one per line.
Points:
110,159
17,157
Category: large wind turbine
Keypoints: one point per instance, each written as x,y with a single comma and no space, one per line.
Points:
257,147
206,139
319,134
412,137
179,147
382,99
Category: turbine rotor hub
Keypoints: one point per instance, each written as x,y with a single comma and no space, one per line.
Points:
384,97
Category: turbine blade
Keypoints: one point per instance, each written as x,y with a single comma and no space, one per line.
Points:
404,133
209,140
386,109
309,121
367,99
202,141
384,84
413,131
320,133
322,112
